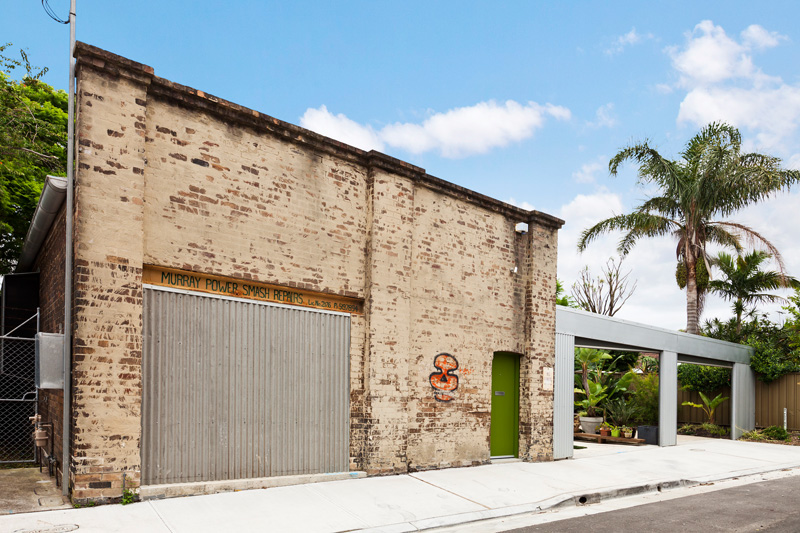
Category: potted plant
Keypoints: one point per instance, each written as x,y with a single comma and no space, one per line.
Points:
615,431
622,412
645,397
627,432
605,429
594,392
590,415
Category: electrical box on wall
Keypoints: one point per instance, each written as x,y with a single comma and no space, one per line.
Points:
49,361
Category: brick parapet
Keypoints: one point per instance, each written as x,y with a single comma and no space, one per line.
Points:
195,100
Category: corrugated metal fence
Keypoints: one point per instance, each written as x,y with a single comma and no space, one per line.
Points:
771,398
234,389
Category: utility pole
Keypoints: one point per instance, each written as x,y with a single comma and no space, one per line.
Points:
67,419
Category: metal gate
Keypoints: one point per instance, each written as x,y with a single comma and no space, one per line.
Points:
17,397
236,389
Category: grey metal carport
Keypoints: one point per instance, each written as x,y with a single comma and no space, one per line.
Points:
576,328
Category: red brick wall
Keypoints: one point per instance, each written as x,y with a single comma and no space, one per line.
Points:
50,264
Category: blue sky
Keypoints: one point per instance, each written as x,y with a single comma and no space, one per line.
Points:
522,101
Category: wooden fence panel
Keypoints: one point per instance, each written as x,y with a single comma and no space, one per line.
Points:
692,415
771,398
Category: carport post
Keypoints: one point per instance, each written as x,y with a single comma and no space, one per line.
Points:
564,396
668,399
743,402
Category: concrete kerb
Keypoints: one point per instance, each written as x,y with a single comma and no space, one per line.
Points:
556,502
571,500
543,507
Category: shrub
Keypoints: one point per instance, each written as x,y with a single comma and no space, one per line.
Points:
753,435
645,397
775,433
707,379
716,430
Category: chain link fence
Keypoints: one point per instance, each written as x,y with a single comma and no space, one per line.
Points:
17,399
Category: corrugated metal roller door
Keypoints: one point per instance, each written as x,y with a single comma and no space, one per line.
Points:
234,389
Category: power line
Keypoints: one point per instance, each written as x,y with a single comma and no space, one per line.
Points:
51,13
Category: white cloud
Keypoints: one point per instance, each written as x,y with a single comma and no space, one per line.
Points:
628,39
664,88
723,83
755,36
459,132
604,117
710,56
524,205
341,128
772,114
588,171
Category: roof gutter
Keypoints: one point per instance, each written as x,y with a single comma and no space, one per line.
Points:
53,195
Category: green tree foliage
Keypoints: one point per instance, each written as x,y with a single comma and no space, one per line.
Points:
562,298
33,141
705,379
792,325
595,384
743,282
775,354
712,179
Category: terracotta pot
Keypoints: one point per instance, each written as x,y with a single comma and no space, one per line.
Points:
605,432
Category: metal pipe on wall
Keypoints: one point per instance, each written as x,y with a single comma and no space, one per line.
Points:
65,423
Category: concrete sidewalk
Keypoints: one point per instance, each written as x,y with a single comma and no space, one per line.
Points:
432,499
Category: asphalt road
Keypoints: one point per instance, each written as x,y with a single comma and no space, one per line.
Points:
766,506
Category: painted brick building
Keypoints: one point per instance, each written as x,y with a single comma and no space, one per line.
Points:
254,301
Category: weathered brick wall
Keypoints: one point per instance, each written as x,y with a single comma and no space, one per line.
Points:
108,248
463,304
51,408
172,177
536,401
50,264
388,328
235,202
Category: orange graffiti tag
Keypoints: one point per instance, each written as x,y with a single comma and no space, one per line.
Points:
444,381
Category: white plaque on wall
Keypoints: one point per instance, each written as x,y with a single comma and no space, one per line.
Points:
547,378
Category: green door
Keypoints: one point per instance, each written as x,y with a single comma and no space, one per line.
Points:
504,432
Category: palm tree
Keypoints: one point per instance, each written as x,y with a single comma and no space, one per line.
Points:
744,282
712,179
